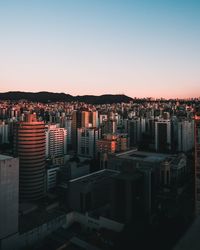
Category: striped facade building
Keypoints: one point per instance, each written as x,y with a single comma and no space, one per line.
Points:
29,146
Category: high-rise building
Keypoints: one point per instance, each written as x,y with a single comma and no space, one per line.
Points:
56,141
197,164
29,146
185,135
134,131
4,129
109,126
87,140
163,135
9,182
68,127
85,119
94,119
76,123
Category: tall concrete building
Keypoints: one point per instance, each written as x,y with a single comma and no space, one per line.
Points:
29,146
134,131
85,119
9,181
185,135
197,164
163,135
87,140
109,126
56,141
94,119
4,133
76,123
68,127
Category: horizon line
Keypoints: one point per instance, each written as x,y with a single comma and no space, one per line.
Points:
114,94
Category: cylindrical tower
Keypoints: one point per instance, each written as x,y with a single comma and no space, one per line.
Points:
29,146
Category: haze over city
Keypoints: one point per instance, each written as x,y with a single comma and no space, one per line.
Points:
139,48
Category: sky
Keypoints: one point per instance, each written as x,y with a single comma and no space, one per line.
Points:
141,48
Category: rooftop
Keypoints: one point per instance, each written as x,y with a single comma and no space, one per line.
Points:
146,156
128,176
96,176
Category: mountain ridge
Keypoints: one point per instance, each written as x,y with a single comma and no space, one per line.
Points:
45,97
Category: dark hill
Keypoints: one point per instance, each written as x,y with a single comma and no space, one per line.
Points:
55,97
36,97
103,99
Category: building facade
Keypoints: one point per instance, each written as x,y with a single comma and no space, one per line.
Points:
29,146
56,141
87,140
163,135
9,191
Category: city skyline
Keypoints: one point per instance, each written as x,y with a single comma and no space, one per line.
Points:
131,168
78,95
99,124
139,48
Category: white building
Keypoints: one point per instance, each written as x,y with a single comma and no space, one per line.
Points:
103,118
56,141
9,191
185,135
86,141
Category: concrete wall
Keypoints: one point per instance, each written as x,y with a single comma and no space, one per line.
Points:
9,181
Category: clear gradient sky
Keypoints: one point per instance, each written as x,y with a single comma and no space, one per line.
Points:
137,47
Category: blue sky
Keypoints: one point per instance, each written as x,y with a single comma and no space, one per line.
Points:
140,48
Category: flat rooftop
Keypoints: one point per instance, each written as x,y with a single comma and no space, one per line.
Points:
5,157
128,176
96,176
146,156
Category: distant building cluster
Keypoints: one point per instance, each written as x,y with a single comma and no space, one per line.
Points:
119,163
